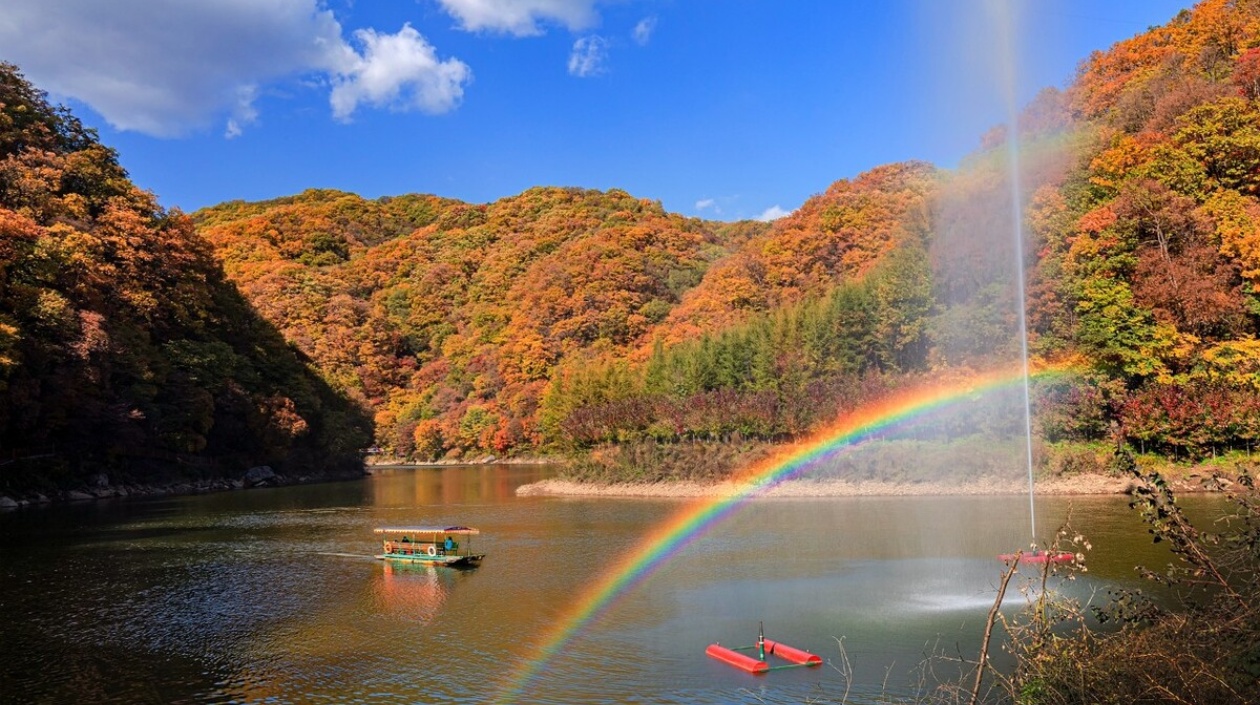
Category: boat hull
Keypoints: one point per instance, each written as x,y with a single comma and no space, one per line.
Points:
468,561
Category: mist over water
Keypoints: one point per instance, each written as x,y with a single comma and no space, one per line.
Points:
980,255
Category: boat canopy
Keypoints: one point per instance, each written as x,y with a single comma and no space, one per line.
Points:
462,530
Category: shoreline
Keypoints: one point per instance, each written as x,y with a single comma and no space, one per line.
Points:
1082,485
388,462
101,488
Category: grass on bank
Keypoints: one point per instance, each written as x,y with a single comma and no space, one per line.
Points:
907,461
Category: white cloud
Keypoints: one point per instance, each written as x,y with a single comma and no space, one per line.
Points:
521,17
168,68
643,30
399,71
244,114
772,213
589,56
706,203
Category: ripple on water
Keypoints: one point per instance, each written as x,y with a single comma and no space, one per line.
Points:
238,600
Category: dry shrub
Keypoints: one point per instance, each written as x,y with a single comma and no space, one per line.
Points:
1202,648
651,461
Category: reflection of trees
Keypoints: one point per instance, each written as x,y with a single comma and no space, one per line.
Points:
424,486
411,592
351,647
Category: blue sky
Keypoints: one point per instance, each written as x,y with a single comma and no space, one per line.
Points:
725,110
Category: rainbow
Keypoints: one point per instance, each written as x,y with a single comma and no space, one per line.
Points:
694,520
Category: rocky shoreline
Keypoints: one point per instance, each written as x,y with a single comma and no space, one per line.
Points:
1082,484
100,487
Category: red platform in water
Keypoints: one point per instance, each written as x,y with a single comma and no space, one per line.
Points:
736,659
793,654
796,657
1038,557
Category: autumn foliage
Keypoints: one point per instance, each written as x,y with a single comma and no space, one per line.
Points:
1151,242
123,348
460,324
450,319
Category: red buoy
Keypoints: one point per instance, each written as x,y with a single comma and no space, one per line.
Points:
1039,557
737,659
793,654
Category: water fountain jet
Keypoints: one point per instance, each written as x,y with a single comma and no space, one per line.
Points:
1006,22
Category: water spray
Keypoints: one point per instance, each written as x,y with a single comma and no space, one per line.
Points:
1007,21
1013,150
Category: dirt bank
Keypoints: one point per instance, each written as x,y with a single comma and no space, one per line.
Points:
1067,485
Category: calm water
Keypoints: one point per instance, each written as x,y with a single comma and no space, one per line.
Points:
269,596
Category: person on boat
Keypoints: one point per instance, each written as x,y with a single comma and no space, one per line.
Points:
449,545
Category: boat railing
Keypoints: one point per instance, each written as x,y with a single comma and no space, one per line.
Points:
411,548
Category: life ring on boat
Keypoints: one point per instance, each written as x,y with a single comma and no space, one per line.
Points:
389,547
432,550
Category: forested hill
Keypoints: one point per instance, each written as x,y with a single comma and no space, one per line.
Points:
835,236
124,350
440,314
452,320
1149,248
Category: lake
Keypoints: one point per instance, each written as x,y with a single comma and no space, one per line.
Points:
271,595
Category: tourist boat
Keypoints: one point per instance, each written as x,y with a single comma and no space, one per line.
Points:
431,545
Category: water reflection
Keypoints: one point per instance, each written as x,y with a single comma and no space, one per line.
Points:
402,486
411,592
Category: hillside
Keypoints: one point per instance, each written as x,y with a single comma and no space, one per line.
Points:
453,320
453,317
833,236
1147,252
124,350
